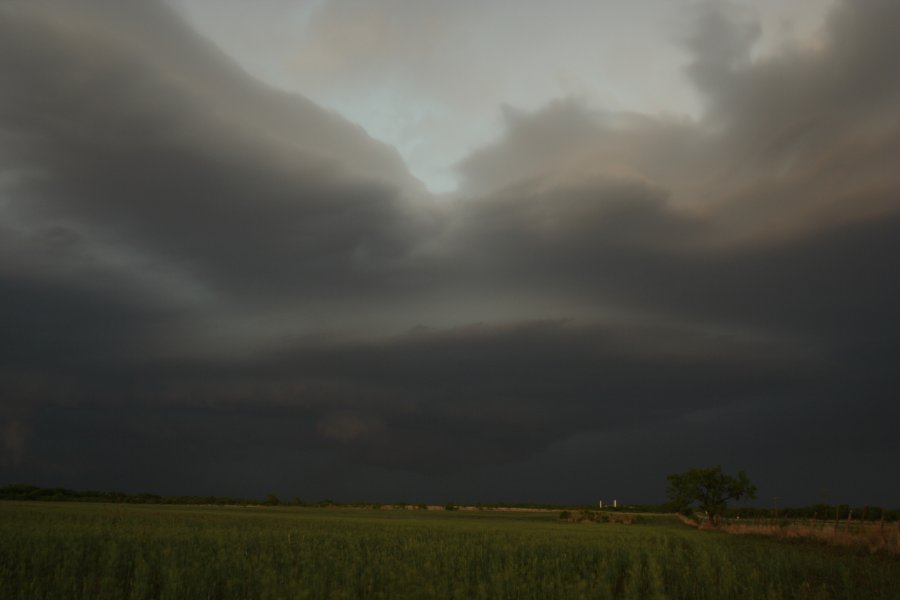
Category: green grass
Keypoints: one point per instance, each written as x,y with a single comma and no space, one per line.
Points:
63,550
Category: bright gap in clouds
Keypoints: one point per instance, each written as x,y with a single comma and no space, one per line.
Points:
430,77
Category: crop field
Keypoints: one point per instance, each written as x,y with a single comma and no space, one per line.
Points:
72,550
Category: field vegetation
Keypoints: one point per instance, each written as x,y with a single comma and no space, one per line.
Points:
875,537
93,550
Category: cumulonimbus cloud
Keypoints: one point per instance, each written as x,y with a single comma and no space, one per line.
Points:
181,245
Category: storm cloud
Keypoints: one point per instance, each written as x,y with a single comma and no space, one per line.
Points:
211,286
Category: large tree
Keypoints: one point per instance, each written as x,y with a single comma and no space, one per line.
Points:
710,489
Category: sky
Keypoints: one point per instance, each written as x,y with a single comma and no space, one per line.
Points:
432,78
450,252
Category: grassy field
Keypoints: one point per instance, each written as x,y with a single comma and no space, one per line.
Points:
71,550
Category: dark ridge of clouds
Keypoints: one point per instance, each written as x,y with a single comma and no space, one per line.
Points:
141,61
772,218
371,402
205,282
189,160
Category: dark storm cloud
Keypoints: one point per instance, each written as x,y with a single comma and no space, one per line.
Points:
205,277
147,181
428,402
781,211
151,139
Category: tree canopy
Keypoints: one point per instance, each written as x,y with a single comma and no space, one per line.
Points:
710,489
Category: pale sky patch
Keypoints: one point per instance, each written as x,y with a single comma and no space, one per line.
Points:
429,78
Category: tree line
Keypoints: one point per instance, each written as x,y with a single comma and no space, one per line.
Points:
709,489
25,492
33,492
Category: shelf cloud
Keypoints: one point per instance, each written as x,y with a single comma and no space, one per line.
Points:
208,285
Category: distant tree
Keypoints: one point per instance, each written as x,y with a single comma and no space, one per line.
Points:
272,500
710,489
